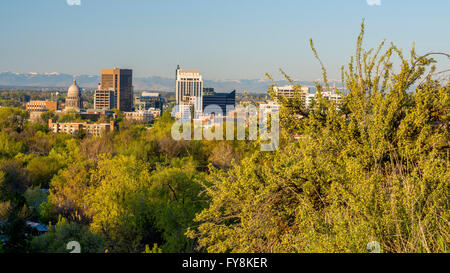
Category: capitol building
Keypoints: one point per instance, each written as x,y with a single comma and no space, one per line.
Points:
73,100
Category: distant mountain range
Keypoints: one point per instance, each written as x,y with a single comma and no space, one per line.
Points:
60,81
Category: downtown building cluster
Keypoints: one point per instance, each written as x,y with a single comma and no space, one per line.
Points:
193,101
192,98
115,91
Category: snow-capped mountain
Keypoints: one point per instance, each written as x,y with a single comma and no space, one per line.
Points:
60,80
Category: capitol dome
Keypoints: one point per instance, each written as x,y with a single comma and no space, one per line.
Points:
74,90
73,100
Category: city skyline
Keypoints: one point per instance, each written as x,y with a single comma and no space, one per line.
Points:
177,129
229,40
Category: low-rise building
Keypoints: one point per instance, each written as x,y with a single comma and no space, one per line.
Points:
184,112
139,116
269,108
41,106
91,129
37,107
35,116
288,91
149,100
155,112
95,114
333,96
37,227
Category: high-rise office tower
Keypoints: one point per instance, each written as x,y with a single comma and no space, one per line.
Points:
189,88
121,81
104,99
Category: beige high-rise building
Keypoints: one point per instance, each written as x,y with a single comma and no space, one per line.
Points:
121,81
189,88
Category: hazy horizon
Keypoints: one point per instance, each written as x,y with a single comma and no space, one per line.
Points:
224,40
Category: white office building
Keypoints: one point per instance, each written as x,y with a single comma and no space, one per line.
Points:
189,88
288,91
333,96
184,113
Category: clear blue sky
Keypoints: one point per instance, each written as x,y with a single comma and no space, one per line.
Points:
225,39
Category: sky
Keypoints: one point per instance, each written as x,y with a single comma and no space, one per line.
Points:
224,39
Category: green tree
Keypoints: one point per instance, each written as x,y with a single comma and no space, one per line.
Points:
372,169
119,203
42,169
57,238
175,197
14,179
8,146
70,116
222,155
68,190
147,250
12,118
47,115
34,197
14,229
132,206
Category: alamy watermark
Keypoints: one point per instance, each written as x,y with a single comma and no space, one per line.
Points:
74,246
238,123
374,247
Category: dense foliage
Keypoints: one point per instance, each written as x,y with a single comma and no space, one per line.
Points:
371,168
124,192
